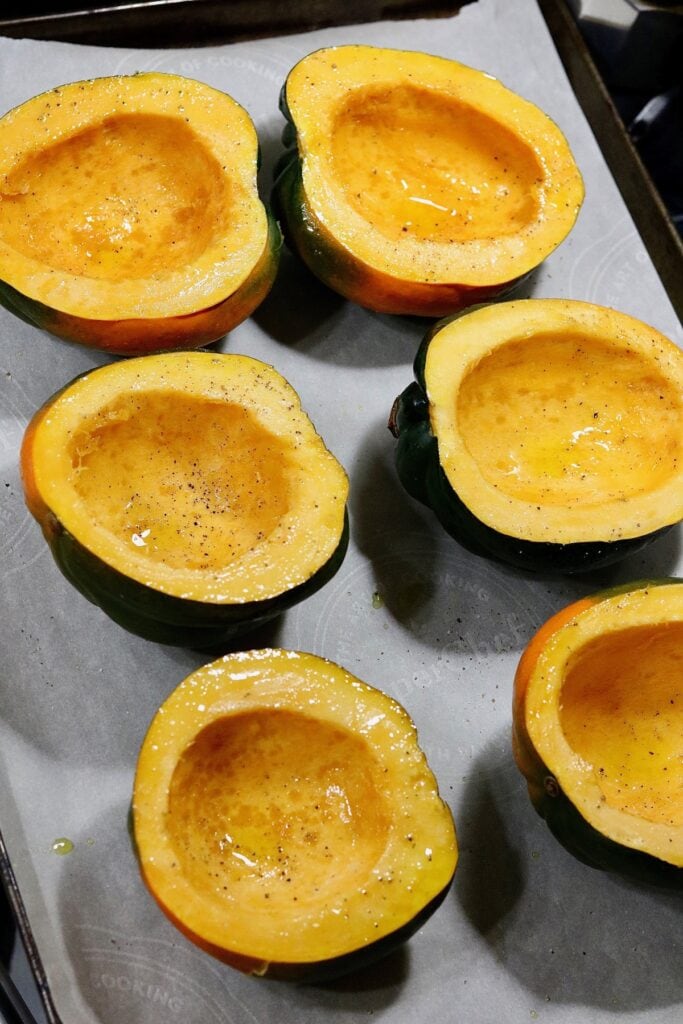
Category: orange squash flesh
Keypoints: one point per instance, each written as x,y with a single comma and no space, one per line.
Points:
186,493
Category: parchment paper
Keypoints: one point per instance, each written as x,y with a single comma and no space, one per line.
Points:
527,932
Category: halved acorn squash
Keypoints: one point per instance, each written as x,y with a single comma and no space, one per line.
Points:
598,729
417,184
547,433
186,493
129,215
286,819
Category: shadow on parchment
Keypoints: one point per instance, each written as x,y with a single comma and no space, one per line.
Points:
569,933
429,582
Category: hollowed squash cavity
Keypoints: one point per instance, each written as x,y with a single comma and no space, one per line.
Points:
569,419
186,482
272,804
286,819
413,161
557,421
134,196
621,711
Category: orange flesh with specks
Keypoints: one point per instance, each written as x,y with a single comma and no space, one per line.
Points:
285,815
413,161
127,198
185,481
594,422
271,804
129,216
559,421
537,644
197,474
598,712
622,712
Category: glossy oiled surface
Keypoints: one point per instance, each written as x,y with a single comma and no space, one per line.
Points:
566,419
188,482
622,712
133,195
414,162
272,805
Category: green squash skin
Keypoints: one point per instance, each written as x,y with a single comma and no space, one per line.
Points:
139,337
325,258
566,822
588,845
348,963
419,470
19,305
172,620
417,446
299,226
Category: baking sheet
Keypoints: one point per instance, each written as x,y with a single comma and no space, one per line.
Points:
527,933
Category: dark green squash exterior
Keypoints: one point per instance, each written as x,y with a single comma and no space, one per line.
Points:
322,254
166,619
588,845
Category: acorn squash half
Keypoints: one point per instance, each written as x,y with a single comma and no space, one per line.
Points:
546,433
416,184
129,215
286,819
598,729
186,493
